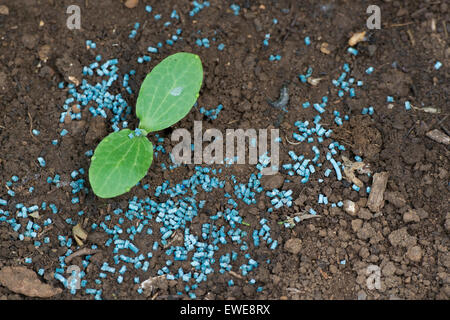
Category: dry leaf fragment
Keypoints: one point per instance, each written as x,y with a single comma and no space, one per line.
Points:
350,168
313,81
438,136
35,214
427,109
79,234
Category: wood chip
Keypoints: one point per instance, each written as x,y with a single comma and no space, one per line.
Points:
323,274
376,201
438,136
356,38
25,281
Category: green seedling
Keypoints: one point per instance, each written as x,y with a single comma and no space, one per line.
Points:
166,96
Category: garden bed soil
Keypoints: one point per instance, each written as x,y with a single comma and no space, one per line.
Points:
322,258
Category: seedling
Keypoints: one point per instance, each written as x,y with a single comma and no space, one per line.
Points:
166,96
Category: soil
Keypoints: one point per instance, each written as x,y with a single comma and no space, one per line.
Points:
322,258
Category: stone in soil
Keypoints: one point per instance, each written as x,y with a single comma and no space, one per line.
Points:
414,254
44,52
356,224
396,83
351,207
70,68
365,214
30,41
366,232
411,216
447,222
76,128
131,3
293,246
395,198
96,131
271,182
4,10
401,238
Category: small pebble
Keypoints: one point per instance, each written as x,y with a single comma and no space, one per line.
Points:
4,10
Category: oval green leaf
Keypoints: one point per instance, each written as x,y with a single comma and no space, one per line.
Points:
119,163
169,91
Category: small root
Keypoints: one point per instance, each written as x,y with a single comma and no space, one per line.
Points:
31,127
81,252
293,143
234,274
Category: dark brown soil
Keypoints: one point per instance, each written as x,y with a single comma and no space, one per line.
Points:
241,77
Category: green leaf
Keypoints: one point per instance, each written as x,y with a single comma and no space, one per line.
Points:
169,91
119,163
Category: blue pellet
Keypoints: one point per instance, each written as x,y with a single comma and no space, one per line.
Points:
307,41
352,51
41,161
407,105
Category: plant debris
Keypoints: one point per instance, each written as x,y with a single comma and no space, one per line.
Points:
79,234
356,38
350,168
25,281
438,136
376,200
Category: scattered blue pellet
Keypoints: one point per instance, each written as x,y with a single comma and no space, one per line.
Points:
236,8
407,105
274,57
307,41
41,161
352,51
